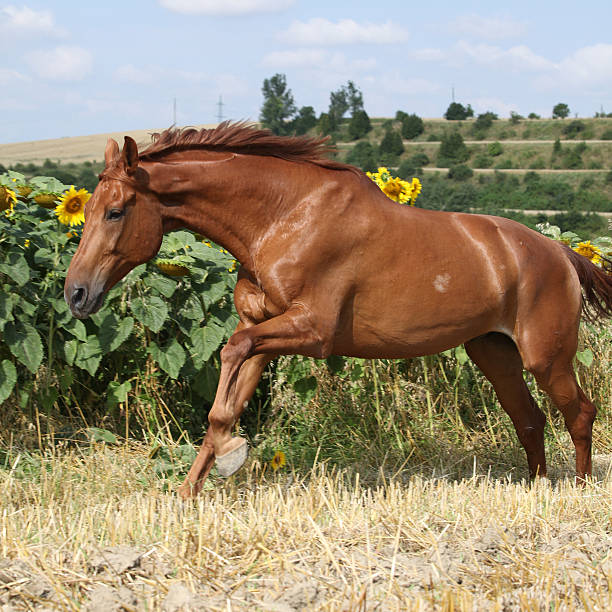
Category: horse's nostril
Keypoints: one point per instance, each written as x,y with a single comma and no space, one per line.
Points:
78,297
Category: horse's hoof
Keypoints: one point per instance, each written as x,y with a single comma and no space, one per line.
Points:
232,461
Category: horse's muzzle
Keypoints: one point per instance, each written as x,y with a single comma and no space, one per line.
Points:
83,300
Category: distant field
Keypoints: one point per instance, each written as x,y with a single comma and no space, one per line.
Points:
76,149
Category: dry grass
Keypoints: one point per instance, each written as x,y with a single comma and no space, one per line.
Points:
96,527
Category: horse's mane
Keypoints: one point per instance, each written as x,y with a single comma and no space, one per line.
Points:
242,137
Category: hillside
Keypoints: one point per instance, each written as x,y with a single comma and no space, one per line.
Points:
76,150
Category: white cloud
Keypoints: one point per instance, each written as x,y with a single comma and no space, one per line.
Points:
226,7
320,31
519,58
488,28
591,64
8,76
25,20
64,63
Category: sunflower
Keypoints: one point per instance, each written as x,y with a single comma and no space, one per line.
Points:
590,251
415,190
8,199
397,190
46,200
278,461
171,268
71,209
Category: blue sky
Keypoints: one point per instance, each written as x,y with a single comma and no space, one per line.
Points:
72,68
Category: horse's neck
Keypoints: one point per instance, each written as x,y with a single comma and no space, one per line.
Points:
227,198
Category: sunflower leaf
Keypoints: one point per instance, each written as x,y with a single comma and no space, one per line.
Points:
205,341
8,379
170,358
25,344
89,355
151,314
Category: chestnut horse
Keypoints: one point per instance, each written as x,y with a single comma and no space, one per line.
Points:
331,266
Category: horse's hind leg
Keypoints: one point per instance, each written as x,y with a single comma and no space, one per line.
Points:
558,380
499,360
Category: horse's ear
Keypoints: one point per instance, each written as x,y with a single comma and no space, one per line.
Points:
111,152
130,155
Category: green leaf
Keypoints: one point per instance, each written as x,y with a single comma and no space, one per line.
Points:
192,308
164,285
461,355
89,355
205,382
6,309
8,379
152,313
25,344
170,358
70,351
96,434
77,328
205,341
336,364
306,387
16,268
585,357
117,393
114,332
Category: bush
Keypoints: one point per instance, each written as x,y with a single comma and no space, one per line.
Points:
533,116
515,118
412,126
495,148
460,172
482,160
364,156
537,164
560,111
573,128
391,147
484,121
452,150
359,125
607,135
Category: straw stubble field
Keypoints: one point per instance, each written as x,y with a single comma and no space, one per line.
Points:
96,528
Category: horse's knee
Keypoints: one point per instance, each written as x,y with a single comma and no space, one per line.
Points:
237,349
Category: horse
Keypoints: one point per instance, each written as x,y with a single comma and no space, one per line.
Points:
331,266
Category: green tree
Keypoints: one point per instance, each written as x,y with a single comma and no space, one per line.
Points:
452,150
458,112
354,98
305,120
279,107
359,125
391,147
363,155
412,126
560,111
338,105
533,116
324,125
485,120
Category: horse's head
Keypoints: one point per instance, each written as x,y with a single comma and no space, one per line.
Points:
123,228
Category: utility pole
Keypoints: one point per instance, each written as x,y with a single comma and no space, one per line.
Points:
453,93
220,110
174,112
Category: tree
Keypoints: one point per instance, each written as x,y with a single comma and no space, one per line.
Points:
485,120
560,111
391,147
458,112
279,107
363,155
412,126
324,125
359,125
452,150
533,116
348,97
305,120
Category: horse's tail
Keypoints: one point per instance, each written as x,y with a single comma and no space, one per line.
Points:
596,285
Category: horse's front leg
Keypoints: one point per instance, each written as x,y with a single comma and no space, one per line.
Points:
289,333
248,378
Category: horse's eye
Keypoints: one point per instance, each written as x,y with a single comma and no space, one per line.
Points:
114,214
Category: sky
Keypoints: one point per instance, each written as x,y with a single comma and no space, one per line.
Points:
71,68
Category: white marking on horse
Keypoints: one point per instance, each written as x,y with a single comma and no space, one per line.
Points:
441,282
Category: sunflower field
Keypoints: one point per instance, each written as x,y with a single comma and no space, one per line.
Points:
167,317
